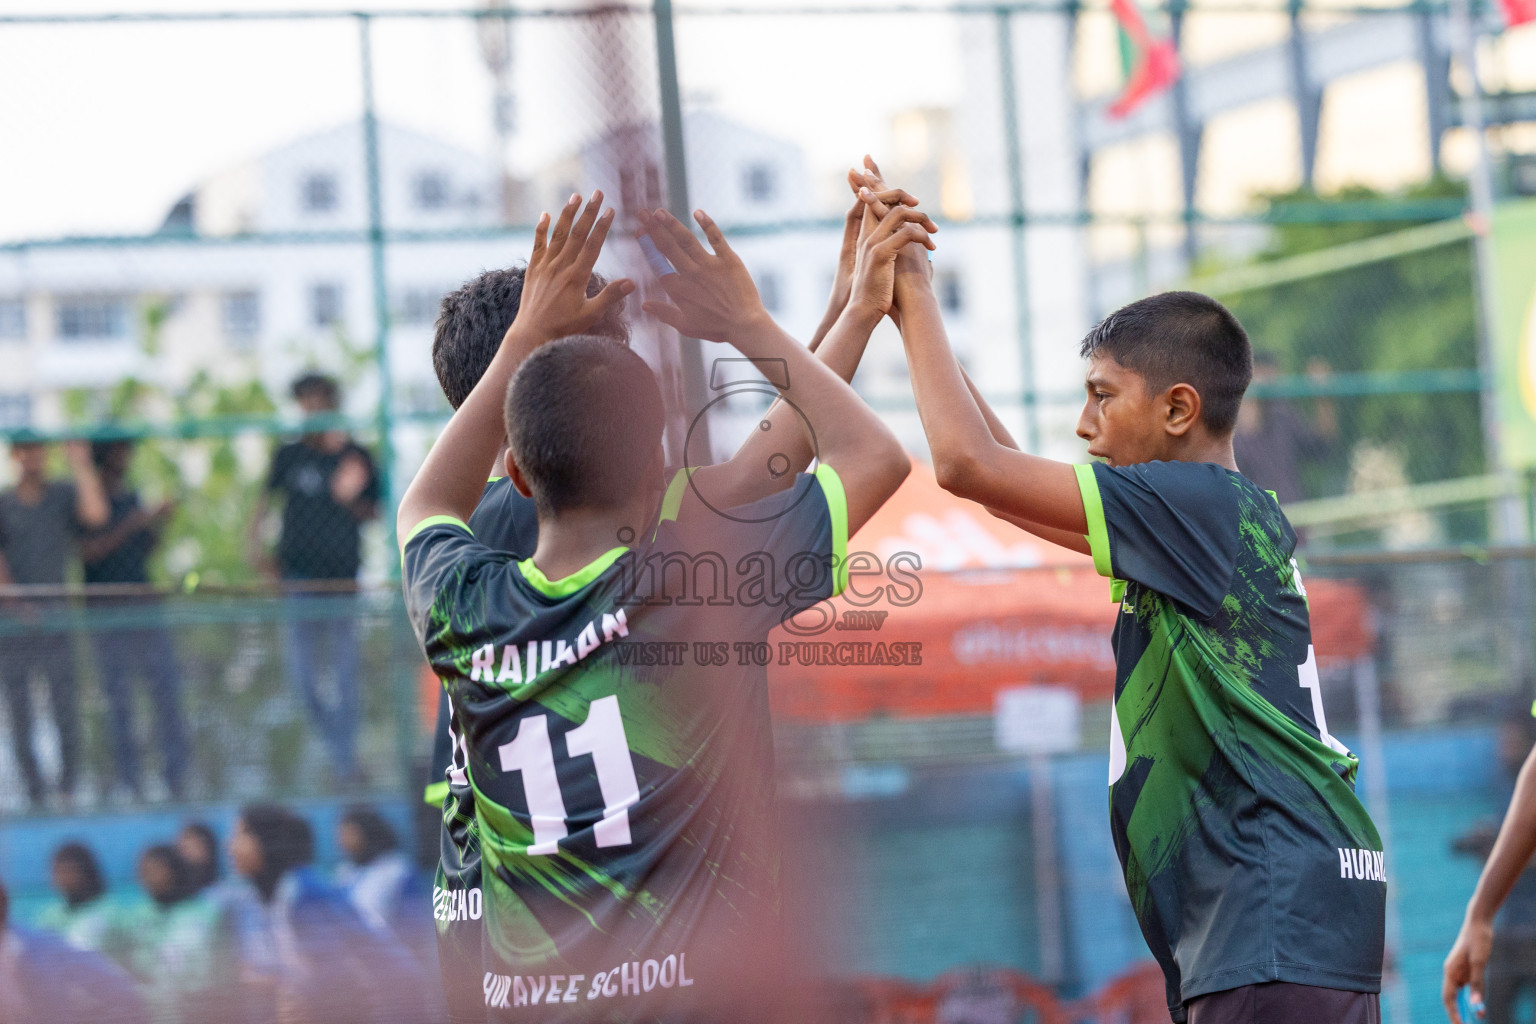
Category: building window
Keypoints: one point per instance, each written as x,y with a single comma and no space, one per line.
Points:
242,318
92,319
325,305
418,305
15,410
759,183
429,191
770,290
318,193
951,295
13,319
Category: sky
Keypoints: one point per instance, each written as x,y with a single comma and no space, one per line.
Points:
104,126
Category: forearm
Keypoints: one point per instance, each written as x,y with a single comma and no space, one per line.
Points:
955,427
746,481
994,423
1511,851
829,319
967,459
842,278
840,421
258,521
91,505
1061,538
452,477
94,549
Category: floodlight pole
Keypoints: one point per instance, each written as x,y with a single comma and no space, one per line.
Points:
690,351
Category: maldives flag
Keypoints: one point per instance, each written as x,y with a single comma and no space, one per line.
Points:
1152,64
1518,12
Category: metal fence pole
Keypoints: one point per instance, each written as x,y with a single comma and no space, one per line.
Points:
1015,155
1506,525
400,678
380,286
690,351
1367,685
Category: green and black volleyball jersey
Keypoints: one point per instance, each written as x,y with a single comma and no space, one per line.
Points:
1247,855
615,728
504,521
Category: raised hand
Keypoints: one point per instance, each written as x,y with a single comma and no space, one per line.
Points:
847,253
350,479
1465,966
555,300
911,265
895,245
900,239
856,223
712,293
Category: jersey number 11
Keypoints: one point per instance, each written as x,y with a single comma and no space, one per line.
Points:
602,736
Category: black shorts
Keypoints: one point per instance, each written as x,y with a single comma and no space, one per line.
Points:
1281,1002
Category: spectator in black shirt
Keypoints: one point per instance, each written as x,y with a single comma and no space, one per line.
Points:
329,490
40,522
138,643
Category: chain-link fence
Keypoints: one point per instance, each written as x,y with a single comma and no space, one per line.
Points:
292,196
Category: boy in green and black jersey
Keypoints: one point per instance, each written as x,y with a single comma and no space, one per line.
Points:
1255,872
469,333
622,773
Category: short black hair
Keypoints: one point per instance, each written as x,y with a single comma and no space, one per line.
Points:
84,860
286,842
584,416
378,835
201,876
181,882
1181,338
321,385
472,321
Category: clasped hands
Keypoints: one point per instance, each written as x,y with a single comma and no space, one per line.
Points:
886,239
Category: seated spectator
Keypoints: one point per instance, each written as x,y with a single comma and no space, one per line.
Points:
376,875
142,650
44,980
84,915
180,953
306,954
199,849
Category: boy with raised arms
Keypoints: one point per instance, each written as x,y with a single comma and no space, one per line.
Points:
468,335
471,325
1254,870
625,809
